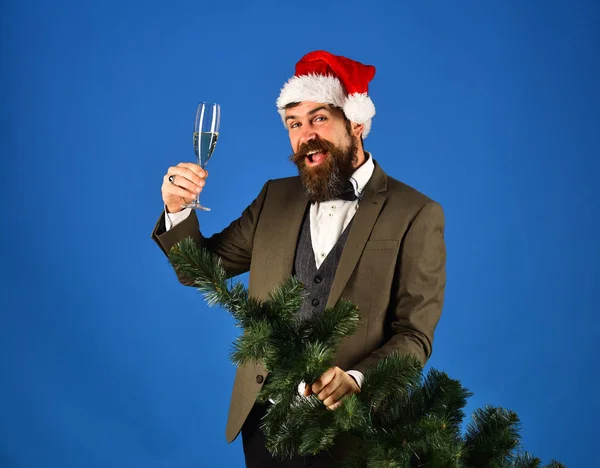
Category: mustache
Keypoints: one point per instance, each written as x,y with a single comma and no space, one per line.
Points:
312,145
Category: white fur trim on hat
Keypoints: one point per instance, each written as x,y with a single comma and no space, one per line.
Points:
327,89
311,87
317,88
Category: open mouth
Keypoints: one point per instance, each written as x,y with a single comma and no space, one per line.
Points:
315,157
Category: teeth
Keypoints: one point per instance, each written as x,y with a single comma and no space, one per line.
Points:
313,152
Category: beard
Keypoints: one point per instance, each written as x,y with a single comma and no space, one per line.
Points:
330,178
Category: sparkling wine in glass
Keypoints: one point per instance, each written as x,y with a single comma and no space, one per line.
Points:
206,134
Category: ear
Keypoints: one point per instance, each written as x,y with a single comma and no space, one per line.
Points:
357,129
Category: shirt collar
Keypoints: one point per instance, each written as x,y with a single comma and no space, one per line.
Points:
361,176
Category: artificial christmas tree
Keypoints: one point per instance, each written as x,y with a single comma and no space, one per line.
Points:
399,419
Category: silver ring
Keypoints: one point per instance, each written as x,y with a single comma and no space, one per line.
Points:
172,179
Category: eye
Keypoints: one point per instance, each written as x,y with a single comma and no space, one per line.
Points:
294,125
320,118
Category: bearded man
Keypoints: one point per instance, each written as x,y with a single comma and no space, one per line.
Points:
343,227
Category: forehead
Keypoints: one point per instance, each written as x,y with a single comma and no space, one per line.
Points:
308,107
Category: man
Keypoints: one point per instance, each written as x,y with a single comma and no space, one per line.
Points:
343,227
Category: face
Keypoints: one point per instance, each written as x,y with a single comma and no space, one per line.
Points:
325,148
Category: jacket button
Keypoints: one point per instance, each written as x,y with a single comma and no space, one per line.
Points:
315,302
318,279
259,379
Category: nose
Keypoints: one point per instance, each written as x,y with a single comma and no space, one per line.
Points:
307,135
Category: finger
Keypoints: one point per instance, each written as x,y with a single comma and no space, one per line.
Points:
336,395
324,380
170,190
186,173
336,405
195,168
181,181
328,389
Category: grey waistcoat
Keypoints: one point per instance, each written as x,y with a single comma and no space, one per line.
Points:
317,282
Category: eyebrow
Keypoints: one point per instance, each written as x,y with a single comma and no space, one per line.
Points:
315,110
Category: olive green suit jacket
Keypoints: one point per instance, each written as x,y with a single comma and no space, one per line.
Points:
392,267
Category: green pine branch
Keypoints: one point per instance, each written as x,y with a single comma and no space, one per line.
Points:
526,460
400,419
491,437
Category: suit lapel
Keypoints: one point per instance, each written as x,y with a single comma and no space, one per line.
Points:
362,225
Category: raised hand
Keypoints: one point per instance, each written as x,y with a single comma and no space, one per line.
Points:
181,184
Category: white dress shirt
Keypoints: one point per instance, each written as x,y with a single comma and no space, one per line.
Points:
327,222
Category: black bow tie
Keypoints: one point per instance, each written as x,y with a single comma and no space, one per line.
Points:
349,194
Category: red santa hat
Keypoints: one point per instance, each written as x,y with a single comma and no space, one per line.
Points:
331,79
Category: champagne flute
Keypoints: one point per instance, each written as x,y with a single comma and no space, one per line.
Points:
206,134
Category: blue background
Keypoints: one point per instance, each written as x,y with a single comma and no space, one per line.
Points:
491,108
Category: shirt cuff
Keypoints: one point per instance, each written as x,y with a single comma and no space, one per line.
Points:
173,219
356,375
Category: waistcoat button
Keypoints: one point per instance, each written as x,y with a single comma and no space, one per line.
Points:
318,279
315,302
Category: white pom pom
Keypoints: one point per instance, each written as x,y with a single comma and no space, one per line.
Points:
360,109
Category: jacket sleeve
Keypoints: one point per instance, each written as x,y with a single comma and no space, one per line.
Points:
233,244
417,292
